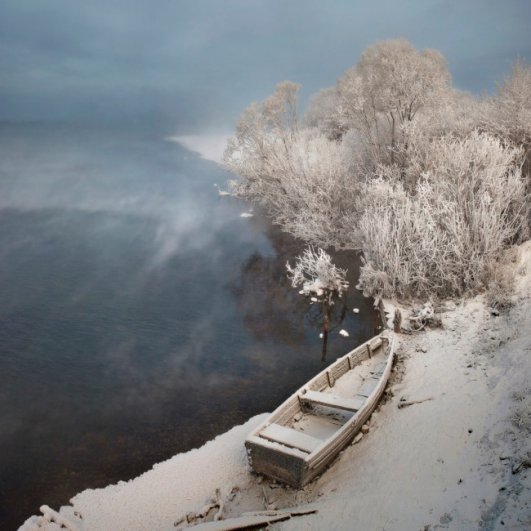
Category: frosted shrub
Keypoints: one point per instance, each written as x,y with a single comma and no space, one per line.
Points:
508,114
315,273
469,204
304,182
436,207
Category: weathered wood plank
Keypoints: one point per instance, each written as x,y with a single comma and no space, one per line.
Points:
290,437
255,519
330,400
243,522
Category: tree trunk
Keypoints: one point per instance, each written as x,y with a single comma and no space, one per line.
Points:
326,326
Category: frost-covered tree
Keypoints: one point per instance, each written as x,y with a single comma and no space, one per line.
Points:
469,205
321,280
316,275
322,113
384,93
398,80
508,114
459,114
510,109
275,117
300,176
308,179
263,134
426,179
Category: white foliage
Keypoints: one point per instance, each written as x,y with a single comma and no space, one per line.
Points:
322,112
391,161
316,274
392,84
508,114
470,204
303,181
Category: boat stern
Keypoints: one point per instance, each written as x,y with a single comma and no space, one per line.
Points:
286,465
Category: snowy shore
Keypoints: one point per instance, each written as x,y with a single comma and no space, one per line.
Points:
456,459
209,147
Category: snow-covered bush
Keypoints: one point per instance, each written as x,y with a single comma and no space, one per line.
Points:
323,113
508,113
316,275
425,179
303,180
469,204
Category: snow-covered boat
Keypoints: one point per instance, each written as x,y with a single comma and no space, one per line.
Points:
303,435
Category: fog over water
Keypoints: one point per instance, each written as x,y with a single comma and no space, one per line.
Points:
141,314
192,66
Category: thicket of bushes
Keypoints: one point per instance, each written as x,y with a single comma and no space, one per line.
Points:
430,183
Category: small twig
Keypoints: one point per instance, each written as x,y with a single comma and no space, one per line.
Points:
518,467
402,405
214,503
266,498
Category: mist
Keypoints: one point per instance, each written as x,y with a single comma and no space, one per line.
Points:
191,67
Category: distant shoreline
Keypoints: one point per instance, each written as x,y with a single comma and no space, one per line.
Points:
209,147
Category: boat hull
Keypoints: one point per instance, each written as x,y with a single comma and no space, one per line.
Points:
297,467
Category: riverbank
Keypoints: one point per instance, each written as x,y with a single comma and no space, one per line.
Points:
455,459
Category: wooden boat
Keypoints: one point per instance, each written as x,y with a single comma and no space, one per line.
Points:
303,435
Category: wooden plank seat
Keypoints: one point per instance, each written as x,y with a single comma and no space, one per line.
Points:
290,437
330,400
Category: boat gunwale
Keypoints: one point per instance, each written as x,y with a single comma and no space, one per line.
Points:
316,457
341,436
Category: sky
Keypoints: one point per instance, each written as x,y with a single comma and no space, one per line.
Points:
192,66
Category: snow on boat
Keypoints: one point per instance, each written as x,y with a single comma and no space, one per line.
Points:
303,435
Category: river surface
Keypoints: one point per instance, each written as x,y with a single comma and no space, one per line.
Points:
140,314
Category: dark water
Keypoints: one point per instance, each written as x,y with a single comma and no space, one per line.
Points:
140,315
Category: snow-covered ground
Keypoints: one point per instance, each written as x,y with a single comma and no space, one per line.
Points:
210,147
456,458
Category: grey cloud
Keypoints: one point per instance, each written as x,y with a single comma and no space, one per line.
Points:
192,64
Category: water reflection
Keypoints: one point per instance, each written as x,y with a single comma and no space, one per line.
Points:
272,308
327,317
140,315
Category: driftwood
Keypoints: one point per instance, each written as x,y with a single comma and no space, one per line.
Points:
254,520
214,503
522,465
407,403
422,317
